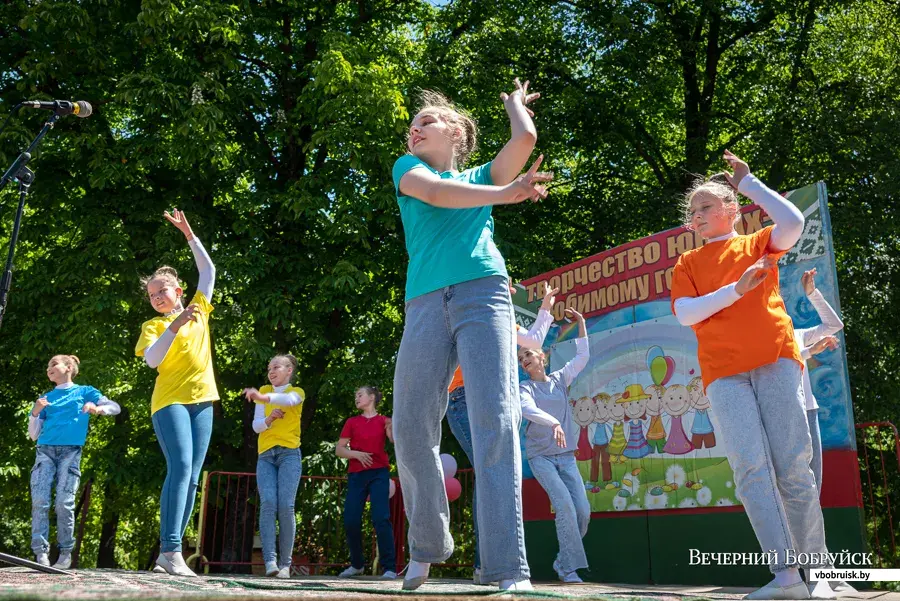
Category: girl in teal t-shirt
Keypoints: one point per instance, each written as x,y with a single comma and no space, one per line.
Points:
459,311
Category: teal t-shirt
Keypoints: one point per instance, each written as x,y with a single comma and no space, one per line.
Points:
446,246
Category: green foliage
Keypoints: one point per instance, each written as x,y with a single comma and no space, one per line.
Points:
274,125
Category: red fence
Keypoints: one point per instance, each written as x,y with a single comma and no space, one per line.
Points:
227,534
878,448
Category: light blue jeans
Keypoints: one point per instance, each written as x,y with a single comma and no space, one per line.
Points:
458,418
761,415
470,324
183,432
278,473
812,418
558,475
63,464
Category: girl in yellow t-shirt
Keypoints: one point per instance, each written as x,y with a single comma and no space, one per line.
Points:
278,469
176,343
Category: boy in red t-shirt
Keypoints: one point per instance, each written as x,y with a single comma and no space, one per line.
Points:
362,442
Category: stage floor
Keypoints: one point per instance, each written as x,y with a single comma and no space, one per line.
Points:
22,583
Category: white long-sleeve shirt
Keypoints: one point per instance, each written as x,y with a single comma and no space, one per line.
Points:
788,228
156,352
807,337
546,404
278,397
105,405
535,335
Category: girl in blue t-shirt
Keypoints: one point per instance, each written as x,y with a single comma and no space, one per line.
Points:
59,424
459,311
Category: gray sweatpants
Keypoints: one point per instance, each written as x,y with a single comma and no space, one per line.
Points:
762,420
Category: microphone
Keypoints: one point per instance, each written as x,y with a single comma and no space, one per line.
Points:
79,108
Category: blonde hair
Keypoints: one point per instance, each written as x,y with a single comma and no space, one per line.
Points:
291,360
165,273
534,351
718,186
70,361
429,100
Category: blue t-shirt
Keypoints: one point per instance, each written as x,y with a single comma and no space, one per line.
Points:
64,423
446,246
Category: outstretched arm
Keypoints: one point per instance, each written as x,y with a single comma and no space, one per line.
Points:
582,352
205,266
513,157
534,337
692,310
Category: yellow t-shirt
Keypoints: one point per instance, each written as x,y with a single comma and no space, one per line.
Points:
284,432
186,374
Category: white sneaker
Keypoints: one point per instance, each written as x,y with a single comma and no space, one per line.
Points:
572,578
43,559
284,573
558,569
416,575
271,568
350,572
64,561
158,569
514,585
774,592
389,575
820,590
173,563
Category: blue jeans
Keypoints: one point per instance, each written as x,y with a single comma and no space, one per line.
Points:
63,464
470,324
375,484
812,418
458,418
761,415
183,432
278,473
558,475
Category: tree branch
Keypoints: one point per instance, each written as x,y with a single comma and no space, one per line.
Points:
763,20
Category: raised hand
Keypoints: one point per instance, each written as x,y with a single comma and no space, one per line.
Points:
528,185
559,436
755,274
39,406
179,220
254,396
829,343
808,279
520,95
573,314
549,299
191,313
740,168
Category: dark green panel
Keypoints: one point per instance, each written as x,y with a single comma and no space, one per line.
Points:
617,550
642,550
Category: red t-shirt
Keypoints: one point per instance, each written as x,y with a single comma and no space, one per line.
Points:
367,434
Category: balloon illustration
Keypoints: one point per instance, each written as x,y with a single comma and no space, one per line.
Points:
662,368
653,353
670,369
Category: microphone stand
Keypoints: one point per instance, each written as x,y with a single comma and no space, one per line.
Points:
20,172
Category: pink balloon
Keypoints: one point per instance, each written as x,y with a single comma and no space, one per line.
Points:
392,489
454,488
670,369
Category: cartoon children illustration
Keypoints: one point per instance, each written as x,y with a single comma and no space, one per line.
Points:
618,443
702,433
656,433
676,402
601,439
583,415
635,400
